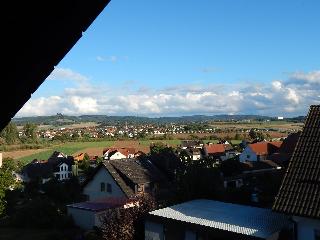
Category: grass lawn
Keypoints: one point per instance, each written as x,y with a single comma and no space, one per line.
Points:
67,148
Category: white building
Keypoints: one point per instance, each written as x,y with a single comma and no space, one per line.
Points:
104,184
93,213
259,151
208,219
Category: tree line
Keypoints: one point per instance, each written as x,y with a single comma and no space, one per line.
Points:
10,134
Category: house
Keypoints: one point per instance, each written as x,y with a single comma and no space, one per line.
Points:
284,154
191,144
58,165
219,151
194,153
299,195
123,178
259,151
208,219
92,213
189,153
118,153
249,173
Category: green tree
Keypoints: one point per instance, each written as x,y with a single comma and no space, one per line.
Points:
253,134
30,131
127,223
85,165
7,181
237,136
10,133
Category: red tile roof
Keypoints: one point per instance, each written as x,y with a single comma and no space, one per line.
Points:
124,151
216,148
265,148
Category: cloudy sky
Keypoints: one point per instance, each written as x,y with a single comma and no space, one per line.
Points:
185,57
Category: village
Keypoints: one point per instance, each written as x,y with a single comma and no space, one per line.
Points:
246,174
160,120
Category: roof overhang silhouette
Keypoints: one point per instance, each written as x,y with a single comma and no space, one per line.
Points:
37,35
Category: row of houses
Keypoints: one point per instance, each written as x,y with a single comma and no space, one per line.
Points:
278,152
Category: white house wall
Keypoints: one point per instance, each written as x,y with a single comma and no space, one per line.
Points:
306,228
82,218
63,171
117,155
93,188
247,155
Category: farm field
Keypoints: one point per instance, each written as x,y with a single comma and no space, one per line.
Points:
92,148
259,125
67,148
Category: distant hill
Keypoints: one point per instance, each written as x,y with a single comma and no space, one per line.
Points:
60,119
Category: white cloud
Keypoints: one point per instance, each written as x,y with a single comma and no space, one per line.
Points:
277,85
305,78
83,105
66,74
100,59
292,96
274,98
110,58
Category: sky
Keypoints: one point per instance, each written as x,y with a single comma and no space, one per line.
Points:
186,57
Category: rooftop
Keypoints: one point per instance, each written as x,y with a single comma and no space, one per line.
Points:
299,193
101,204
247,220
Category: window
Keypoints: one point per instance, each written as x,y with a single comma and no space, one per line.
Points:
317,234
61,168
102,187
109,188
248,156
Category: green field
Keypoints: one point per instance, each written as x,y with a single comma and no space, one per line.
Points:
73,147
67,148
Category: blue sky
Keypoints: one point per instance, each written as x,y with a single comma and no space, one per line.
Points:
172,58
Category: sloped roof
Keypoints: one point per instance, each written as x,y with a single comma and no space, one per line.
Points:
137,171
299,193
246,220
190,143
259,165
215,148
123,150
128,172
265,148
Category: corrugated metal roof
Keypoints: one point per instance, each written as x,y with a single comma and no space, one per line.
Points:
247,220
